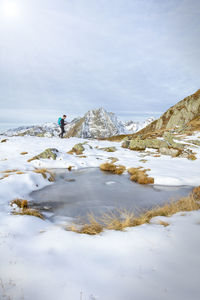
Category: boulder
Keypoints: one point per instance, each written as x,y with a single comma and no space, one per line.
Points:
78,148
4,141
169,138
109,149
49,153
169,151
141,144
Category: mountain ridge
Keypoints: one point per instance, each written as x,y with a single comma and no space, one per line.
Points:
96,123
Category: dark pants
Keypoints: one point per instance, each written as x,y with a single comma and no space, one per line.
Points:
62,131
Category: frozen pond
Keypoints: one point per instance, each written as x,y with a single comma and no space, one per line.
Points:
79,192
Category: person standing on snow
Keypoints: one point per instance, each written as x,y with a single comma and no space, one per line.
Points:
61,123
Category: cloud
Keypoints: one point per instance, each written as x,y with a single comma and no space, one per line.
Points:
140,55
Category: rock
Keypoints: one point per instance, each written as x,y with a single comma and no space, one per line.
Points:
169,138
109,149
166,146
169,151
4,141
78,149
137,144
126,142
188,154
195,142
47,154
141,144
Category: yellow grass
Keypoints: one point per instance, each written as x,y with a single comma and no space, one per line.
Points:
21,203
44,173
123,219
115,169
5,176
196,192
24,153
20,172
24,210
29,212
9,171
140,176
163,223
70,152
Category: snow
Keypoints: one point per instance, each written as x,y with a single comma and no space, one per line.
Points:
95,124
40,260
132,126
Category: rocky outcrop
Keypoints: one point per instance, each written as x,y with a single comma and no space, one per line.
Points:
109,149
49,153
77,149
169,151
177,117
166,146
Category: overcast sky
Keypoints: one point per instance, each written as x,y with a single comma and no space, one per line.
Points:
135,58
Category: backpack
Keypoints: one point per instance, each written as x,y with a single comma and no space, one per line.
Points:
59,121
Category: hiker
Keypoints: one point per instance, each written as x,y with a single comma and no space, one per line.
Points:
61,123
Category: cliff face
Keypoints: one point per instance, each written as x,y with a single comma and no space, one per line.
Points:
180,116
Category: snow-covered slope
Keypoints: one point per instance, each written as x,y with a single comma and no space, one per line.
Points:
95,124
46,130
132,126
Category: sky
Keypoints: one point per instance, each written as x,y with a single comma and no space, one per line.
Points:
135,58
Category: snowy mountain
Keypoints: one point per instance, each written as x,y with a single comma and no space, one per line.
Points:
94,124
132,126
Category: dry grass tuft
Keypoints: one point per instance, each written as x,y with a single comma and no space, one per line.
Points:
21,203
115,169
163,223
44,173
118,221
24,210
20,172
123,219
41,171
70,152
140,176
29,212
196,193
24,153
192,157
9,171
91,228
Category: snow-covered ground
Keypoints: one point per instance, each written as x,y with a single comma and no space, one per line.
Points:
39,260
